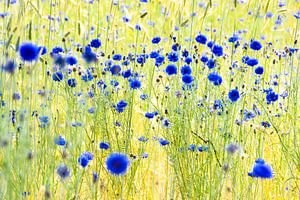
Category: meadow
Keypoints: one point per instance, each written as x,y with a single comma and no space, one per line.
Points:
149,99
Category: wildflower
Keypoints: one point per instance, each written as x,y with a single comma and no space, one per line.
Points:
202,148
163,142
215,78
57,76
9,67
211,63
259,70
173,57
121,106
192,147
202,39
187,79
234,95
252,62
217,50
156,40
117,57
115,70
88,55
255,45
186,70
271,97
95,177
72,82
29,52
60,141
261,170
135,84
104,145
171,69
70,60
96,43
117,163
63,171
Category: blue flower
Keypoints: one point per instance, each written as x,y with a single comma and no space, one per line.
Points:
210,44
204,58
143,96
121,106
57,50
252,62
217,50
234,95
202,148
95,177
29,52
255,45
171,69
164,142
150,115
57,76
96,43
188,60
176,47
117,57
115,70
104,145
211,63
42,50
215,78
117,163
202,39
233,39
156,40
63,171
88,55
72,82
60,141
9,67
126,74
83,161
135,84
159,60
271,97
173,57
44,121
187,79
186,70
192,147
261,170
154,54
70,60
259,70
297,15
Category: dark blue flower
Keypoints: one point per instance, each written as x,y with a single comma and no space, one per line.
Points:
88,55
96,43
171,69
57,76
215,78
42,50
29,52
104,145
135,84
271,97
9,67
234,95
143,96
164,142
233,39
117,57
252,62
126,74
202,148
204,58
188,60
173,57
156,40
120,107
150,115
192,147
210,44
187,79
159,60
57,50
70,60
217,50
72,82
115,70
186,70
261,170
60,141
154,54
202,39
63,171
259,70
176,47
255,45
83,161
245,59
117,163
211,63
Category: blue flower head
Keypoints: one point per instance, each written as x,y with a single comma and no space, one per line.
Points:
259,70
234,95
215,78
252,62
164,142
70,60
72,82
211,63
261,170
57,76
29,52
117,164
171,69
156,40
60,141
120,107
187,79
186,70
63,171
173,57
96,43
255,45
104,145
217,50
271,97
135,84
202,39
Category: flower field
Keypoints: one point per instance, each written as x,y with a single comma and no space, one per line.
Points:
149,99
